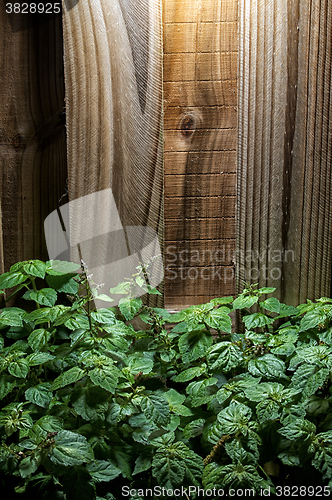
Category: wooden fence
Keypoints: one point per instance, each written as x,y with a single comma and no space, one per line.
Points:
245,189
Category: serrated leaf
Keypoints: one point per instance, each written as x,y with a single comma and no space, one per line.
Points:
194,344
38,316
308,378
143,461
68,377
77,321
202,391
312,319
71,448
173,397
35,268
219,319
194,428
39,338
234,418
11,279
103,297
90,401
121,288
243,302
12,317
267,410
47,423
224,357
190,373
267,366
271,304
44,297
28,466
102,470
19,368
156,408
129,307
77,484
104,316
257,320
40,395
221,300
298,429
105,376
39,358
7,384
61,267
64,283
140,362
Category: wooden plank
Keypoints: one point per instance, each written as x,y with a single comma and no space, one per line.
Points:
205,37
209,117
200,93
202,140
199,229
200,185
113,70
32,134
214,282
191,66
285,147
214,10
200,162
220,206
200,253
200,87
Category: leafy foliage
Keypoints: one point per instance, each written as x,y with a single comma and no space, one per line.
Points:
90,404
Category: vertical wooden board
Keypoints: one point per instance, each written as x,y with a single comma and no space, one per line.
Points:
32,133
200,101
284,148
113,76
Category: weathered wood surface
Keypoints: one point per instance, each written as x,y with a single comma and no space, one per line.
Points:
200,114
113,77
32,135
284,191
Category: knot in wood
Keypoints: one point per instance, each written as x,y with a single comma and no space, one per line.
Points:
188,125
17,142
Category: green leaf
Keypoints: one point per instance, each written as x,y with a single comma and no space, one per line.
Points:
28,466
190,373
121,288
156,408
68,377
257,320
143,461
222,300
234,418
11,279
7,384
104,316
298,429
312,319
271,304
308,378
39,358
202,391
19,368
11,317
243,302
194,428
102,470
77,484
35,268
106,376
47,423
224,356
267,366
60,267
38,316
173,397
77,321
90,401
39,338
129,307
140,362
219,319
44,297
40,395
194,345
64,283
70,449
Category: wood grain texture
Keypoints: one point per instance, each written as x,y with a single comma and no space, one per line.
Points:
32,135
200,120
113,74
284,147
